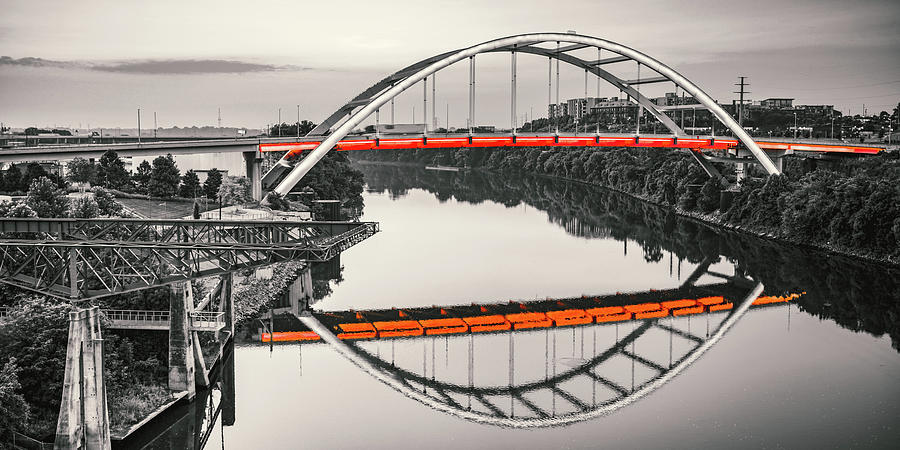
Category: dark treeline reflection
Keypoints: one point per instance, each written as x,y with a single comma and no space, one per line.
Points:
858,296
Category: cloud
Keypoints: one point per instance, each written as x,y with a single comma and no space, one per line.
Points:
154,67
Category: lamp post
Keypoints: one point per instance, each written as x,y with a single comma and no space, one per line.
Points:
298,121
795,125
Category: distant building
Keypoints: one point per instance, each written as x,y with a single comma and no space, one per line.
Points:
819,110
555,111
615,110
777,103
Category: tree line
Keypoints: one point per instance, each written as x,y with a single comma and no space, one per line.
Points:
852,206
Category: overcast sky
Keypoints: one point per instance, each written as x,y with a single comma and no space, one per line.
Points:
94,62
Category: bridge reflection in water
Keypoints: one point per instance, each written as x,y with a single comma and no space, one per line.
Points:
490,401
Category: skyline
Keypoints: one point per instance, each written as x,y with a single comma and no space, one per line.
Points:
66,69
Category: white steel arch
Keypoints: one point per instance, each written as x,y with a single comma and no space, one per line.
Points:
373,98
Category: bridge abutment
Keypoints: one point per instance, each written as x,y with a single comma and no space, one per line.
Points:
83,416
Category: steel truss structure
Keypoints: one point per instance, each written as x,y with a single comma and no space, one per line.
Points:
79,259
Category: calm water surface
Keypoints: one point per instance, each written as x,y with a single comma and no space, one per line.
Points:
821,371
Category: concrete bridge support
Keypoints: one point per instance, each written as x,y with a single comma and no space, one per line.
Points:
182,370
226,305
254,172
83,416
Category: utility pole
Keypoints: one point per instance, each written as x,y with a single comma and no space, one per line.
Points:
220,117
154,125
740,110
139,125
298,121
279,122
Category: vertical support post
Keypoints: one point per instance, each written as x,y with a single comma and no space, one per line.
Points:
598,92
552,110
425,103
253,162
201,377
557,89
73,272
434,122
640,111
512,106
181,352
83,418
471,94
585,110
68,424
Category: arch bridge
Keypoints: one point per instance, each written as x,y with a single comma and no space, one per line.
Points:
557,47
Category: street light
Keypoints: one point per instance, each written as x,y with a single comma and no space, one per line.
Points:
298,122
795,125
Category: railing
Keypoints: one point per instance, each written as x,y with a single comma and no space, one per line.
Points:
207,320
160,320
131,315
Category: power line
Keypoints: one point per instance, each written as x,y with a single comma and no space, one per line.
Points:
740,111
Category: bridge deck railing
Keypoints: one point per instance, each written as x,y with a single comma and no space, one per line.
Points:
160,320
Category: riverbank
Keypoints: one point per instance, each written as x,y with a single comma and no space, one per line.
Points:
848,208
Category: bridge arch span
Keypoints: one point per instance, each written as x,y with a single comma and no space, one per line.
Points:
370,100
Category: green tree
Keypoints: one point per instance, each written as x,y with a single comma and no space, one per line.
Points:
235,190
12,179
709,196
16,209
212,183
278,202
14,411
164,177
80,170
85,208
141,177
32,172
35,333
190,185
46,199
111,171
106,202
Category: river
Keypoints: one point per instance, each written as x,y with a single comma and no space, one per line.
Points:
818,371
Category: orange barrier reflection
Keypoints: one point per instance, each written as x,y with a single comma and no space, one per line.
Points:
520,320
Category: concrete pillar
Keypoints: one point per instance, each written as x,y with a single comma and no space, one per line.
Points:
740,170
181,345
779,163
253,161
83,417
228,407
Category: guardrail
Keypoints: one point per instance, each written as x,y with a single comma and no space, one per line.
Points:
160,320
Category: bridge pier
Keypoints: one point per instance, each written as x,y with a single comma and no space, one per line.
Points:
181,341
226,305
83,416
253,160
